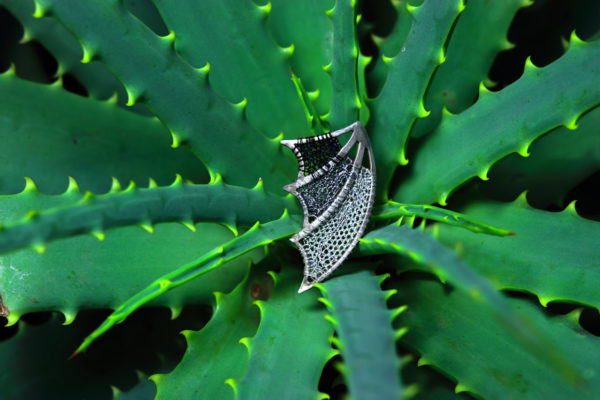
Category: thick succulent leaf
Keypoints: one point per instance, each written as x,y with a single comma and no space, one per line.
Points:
245,62
146,11
257,236
81,272
73,213
143,390
426,251
457,335
425,383
291,347
215,354
400,101
365,336
542,99
479,34
391,210
179,94
390,45
554,255
559,161
98,81
305,25
49,134
345,101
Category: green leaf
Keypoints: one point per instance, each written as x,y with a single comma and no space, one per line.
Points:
542,99
479,34
245,61
554,255
345,101
215,354
390,45
305,25
257,236
176,92
458,336
74,213
445,264
393,210
291,347
365,336
400,102
81,272
48,135
97,80
559,161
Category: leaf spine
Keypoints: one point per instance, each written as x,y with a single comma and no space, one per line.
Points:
572,125
147,227
177,139
460,387
115,185
88,54
40,10
69,317
264,10
29,185
288,51
98,234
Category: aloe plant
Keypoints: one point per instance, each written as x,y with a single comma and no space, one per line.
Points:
159,185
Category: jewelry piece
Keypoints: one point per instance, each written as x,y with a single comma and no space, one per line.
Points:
336,194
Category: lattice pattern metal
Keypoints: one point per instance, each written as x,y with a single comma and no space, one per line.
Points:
321,193
336,194
328,245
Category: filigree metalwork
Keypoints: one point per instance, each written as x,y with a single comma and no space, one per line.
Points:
336,193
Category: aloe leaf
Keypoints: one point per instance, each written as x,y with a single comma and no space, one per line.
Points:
446,265
313,48
312,116
559,161
389,46
554,255
217,130
245,61
97,80
146,11
393,210
257,236
215,354
542,99
365,336
425,383
75,213
448,327
292,341
479,34
58,140
345,101
143,390
409,73
105,274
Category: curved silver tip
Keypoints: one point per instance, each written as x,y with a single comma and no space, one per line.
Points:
305,286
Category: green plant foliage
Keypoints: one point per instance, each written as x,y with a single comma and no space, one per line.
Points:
448,328
365,336
185,102
548,248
